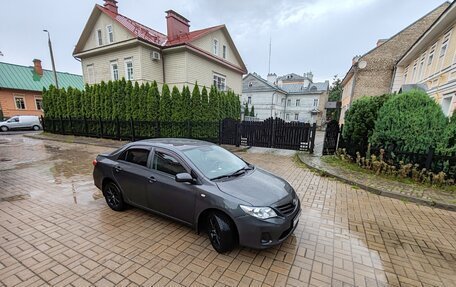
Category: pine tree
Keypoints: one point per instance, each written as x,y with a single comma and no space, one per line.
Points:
214,104
165,104
155,102
176,115
206,113
186,104
196,111
246,110
252,111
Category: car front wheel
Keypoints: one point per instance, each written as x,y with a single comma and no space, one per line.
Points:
221,231
4,128
113,197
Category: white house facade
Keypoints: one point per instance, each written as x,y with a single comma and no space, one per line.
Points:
290,97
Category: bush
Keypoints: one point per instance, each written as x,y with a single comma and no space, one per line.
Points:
412,121
448,144
360,120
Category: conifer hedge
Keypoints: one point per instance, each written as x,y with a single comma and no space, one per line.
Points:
123,100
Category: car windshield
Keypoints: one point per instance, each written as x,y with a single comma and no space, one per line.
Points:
214,161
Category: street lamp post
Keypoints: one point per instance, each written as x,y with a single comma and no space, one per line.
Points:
52,58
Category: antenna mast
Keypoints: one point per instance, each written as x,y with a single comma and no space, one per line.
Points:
269,67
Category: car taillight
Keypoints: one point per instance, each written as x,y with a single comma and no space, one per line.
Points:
94,162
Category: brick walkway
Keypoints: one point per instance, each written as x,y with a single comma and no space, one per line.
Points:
55,229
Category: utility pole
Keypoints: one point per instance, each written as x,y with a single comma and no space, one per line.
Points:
52,58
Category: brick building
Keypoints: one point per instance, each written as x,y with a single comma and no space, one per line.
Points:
21,87
372,73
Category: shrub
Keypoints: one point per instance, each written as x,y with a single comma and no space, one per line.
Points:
360,120
448,144
412,121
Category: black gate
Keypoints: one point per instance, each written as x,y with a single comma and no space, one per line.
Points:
271,133
331,137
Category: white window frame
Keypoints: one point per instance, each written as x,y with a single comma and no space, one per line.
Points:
16,97
296,116
216,82
112,70
405,75
298,102
224,51
129,77
41,99
422,67
90,74
448,96
415,68
99,37
431,55
110,34
215,46
287,117
249,100
288,102
282,101
315,101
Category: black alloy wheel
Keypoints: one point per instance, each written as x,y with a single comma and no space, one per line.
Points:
113,197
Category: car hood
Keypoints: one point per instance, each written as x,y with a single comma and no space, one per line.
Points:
257,187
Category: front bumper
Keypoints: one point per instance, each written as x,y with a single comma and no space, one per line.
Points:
260,234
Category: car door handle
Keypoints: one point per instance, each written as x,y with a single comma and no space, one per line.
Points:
152,179
117,168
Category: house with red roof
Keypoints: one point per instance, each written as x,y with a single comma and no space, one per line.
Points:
113,46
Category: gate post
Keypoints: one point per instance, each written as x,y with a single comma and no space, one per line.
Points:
312,137
238,126
220,132
273,128
42,124
430,155
132,129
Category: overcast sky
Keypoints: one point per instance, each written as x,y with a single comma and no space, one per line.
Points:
317,35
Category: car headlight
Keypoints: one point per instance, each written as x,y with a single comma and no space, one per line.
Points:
259,212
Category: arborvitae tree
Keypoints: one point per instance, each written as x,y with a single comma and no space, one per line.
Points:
77,104
108,105
223,104
214,104
165,104
252,111
154,104
196,106
187,102
176,114
246,110
206,113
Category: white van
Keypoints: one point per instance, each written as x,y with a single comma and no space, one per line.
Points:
21,123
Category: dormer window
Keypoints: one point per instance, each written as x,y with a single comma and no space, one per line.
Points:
99,37
110,34
215,45
250,84
224,52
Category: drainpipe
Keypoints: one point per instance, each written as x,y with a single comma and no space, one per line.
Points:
163,66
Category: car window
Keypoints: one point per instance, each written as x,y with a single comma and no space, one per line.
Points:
14,120
166,163
135,155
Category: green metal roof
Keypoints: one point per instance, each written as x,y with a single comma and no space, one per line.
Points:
24,78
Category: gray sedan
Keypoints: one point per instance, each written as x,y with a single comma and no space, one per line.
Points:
201,185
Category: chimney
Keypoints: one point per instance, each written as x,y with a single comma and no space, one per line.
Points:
176,24
37,67
272,78
111,5
381,41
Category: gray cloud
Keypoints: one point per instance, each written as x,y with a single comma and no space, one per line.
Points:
317,35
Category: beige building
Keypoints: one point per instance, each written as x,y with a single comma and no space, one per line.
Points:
430,64
113,46
372,73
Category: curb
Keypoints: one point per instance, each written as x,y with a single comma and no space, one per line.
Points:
440,205
75,141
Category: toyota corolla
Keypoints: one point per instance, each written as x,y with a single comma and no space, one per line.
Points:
201,185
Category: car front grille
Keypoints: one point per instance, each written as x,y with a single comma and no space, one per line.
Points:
286,209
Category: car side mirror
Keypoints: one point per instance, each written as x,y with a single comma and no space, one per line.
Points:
184,177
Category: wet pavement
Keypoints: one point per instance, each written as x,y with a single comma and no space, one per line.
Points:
56,229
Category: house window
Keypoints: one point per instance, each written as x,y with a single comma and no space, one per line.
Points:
20,103
250,84
446,104
296,117
129,69
287,117
414,71
114,71
99,37
405,75
444,48
282,101
224,52
298,103
431,56
315,103
249,100
421,69
219,82
90,74
288,102
39,104
215,45
110,34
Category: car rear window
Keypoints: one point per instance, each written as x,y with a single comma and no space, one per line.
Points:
135,155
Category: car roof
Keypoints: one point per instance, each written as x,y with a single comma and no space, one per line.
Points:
173,143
